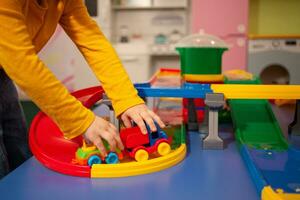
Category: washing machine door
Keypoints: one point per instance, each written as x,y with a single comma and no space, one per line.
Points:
275,66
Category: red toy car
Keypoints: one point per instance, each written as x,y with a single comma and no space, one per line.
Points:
139,145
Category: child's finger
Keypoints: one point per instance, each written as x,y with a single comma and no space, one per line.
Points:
149,120
126,121
114,129
119,142
140,122
99,144
116,136
109,137
157,119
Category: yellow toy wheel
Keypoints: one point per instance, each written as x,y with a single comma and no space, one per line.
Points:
163,149
141,155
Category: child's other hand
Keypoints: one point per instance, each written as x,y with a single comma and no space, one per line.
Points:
102,129
139,114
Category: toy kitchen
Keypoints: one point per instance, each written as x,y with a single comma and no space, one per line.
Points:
144,34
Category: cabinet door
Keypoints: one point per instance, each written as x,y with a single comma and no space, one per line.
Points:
220,17
137,67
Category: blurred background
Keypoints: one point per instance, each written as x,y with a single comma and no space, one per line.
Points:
263,36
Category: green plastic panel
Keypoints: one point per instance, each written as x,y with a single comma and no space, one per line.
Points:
255,123
178,133
201,60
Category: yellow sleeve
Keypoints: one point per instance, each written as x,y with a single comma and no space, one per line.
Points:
19,60
100,55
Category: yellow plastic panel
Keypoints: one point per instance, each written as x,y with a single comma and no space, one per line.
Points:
239,91
269,194
139,168
204,78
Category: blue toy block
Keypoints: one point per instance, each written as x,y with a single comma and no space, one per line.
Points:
187,90
158,134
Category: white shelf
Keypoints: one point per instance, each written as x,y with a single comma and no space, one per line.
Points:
120,8
164,54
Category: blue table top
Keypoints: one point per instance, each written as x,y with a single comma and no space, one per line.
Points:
204,174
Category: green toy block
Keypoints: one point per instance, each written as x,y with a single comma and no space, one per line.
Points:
204,60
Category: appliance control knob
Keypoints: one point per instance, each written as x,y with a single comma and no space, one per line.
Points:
275,43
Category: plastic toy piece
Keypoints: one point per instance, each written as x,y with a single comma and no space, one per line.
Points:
148,166
187,90
262,144
112,158
139,146
204,78
90,155
269,194
282,171
255,123
94,159
141,155
163,148
137,168
203,127
201,54
238,74
241,91
282,102
215,102
44,126
198,102
193,112
45,137
294,127
192,122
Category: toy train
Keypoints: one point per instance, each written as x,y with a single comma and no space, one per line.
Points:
136,145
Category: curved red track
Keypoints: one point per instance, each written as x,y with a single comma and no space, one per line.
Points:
50,147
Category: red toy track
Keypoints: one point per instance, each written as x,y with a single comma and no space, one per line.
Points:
48,144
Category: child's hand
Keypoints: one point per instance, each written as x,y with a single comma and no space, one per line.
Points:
102,129
139,114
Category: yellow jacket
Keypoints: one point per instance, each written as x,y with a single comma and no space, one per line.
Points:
26,26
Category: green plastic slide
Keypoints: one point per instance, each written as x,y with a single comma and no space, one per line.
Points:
255,124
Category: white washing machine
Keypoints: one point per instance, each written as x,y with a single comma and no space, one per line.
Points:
275,61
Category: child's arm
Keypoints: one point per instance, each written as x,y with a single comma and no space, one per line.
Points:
100,55
19,60
106,65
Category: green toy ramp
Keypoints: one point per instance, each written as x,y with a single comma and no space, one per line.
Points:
255,125
254,121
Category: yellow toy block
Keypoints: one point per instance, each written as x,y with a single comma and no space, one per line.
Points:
269,194
240,91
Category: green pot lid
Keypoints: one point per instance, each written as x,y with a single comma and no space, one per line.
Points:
201,40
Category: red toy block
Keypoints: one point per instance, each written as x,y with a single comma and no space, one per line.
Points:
200,115
132,137
198,102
